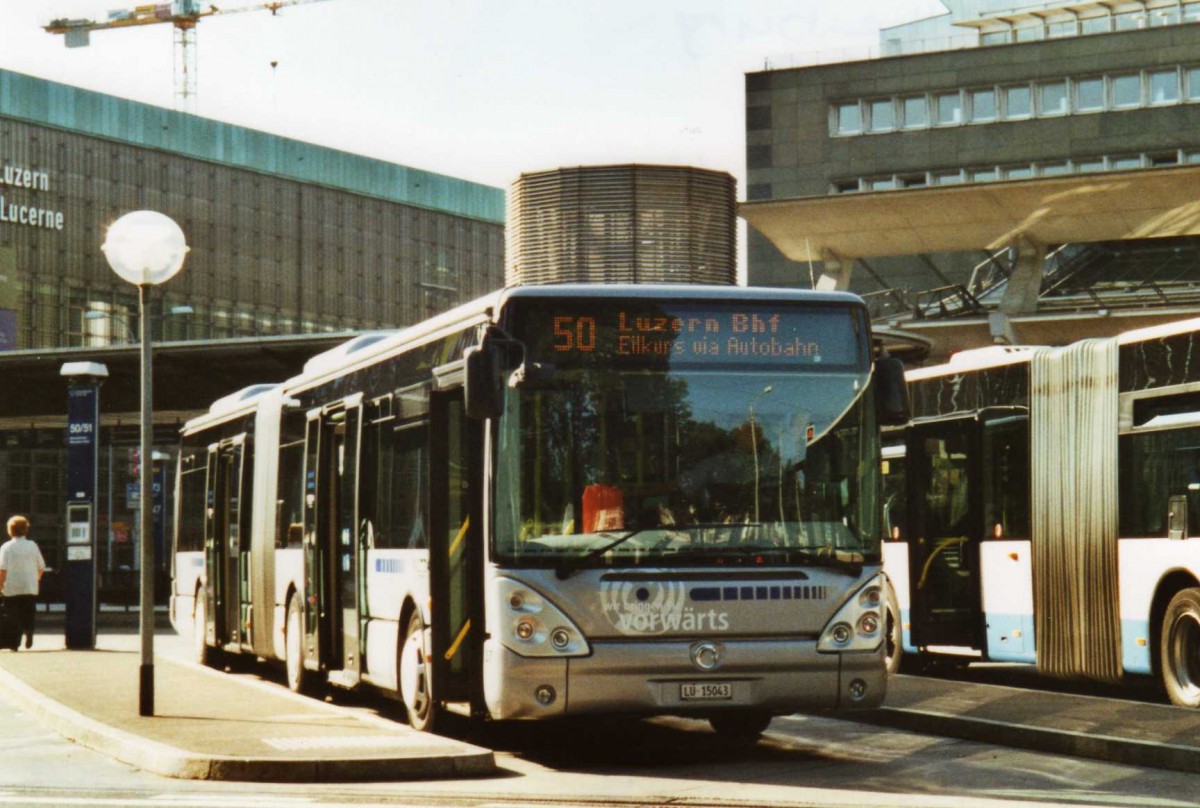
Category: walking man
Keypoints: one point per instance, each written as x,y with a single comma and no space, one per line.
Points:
21,568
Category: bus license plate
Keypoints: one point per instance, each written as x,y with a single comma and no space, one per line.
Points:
705,691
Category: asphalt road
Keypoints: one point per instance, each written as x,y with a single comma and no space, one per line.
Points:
803,760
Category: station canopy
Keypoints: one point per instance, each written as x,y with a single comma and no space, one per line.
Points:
187,376
1112,206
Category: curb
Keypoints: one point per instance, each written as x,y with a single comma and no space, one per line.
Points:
169,761
1150,754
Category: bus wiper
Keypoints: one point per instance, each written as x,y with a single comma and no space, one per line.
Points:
566,569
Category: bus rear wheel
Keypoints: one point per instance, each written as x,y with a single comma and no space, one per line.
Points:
416,677
1179,649
299,680
740,723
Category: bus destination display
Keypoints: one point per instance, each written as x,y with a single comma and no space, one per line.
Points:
627,331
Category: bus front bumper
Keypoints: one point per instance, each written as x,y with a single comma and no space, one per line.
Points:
648,678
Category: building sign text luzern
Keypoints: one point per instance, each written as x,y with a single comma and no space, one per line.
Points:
24,214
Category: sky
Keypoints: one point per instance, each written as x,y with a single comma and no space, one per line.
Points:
478,89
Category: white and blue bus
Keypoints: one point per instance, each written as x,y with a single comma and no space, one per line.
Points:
557,500
1045,508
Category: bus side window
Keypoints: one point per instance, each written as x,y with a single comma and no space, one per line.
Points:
289,510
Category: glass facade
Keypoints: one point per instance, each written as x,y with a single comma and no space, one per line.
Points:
285,238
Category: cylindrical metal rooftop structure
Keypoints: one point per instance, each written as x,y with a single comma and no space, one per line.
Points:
622,224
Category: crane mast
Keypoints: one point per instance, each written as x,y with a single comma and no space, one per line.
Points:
182,15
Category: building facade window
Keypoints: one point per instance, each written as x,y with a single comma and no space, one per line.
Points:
849,119
1089,94
1191,78
948,108
883,118
1129,20
983,105
1030,33
1085,19
976,174
1018,102
1127,90
1164,87
1064,28
1050,98
916,112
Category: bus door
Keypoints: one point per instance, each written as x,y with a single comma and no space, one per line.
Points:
944,533
226,546
456,550
332,552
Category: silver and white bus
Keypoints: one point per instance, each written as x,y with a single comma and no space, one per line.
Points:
557,500
1046,509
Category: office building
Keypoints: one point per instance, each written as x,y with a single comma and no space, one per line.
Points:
1041,157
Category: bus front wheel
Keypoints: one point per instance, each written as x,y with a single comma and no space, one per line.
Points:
894,637
298,679
416,690
1179,649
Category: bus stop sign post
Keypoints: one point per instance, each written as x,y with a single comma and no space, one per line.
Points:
83,428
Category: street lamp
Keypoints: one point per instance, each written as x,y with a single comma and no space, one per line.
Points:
145,248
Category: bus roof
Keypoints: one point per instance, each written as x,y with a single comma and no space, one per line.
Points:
977,359
1158,331
678,291
369,347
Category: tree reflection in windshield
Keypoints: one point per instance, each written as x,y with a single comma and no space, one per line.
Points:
691,461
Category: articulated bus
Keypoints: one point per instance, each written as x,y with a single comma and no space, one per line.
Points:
1044,507
557,500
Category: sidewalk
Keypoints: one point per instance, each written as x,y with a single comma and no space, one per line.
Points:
1110,729
213,725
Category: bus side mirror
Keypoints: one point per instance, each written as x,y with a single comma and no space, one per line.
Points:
483,381
891,393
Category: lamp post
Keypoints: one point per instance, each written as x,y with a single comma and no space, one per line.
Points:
145,248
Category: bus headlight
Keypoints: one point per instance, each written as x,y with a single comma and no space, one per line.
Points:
532,626
856,626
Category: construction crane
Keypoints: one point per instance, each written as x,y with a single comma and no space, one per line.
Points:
183,15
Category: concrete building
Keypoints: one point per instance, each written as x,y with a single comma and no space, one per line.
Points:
1032,165
293,246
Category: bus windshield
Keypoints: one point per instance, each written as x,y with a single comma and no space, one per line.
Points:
688,467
